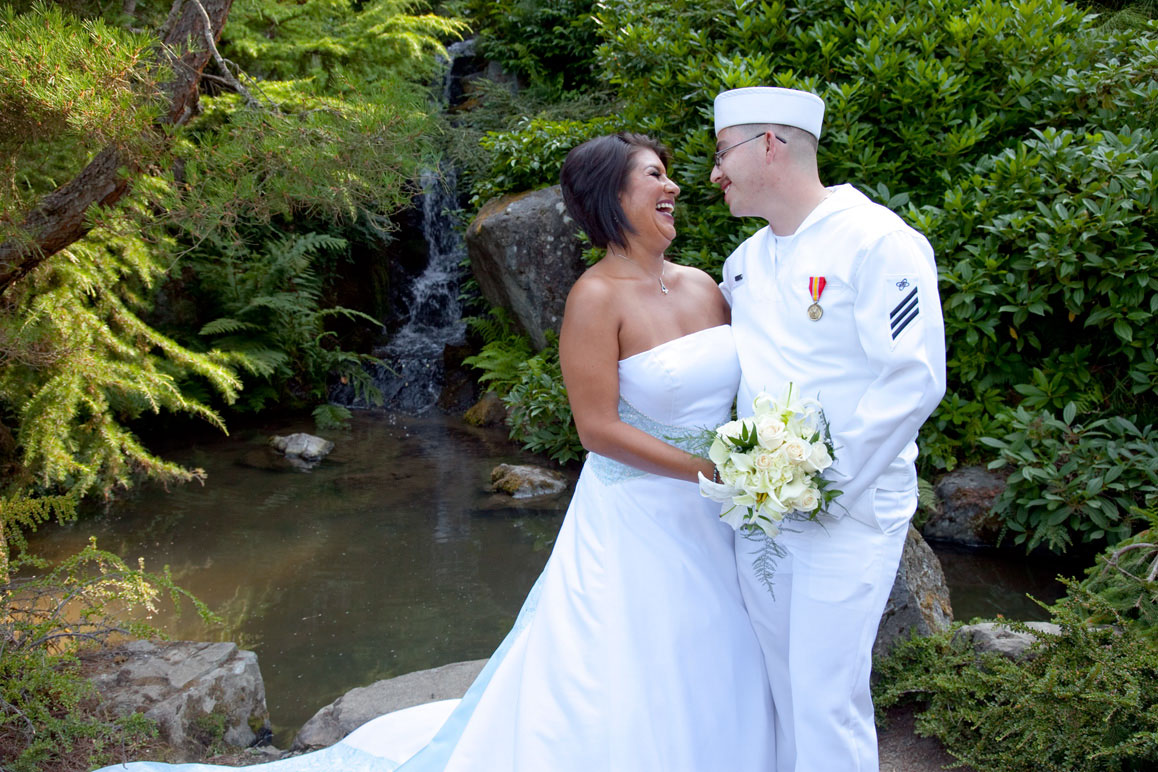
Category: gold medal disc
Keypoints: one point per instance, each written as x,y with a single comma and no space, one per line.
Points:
815,312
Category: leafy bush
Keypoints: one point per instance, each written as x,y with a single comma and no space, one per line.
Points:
550,42
1017,135
1088,481
1085,701
530,385
532,153
1048,275
538,412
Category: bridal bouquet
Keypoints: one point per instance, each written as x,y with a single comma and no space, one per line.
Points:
769,465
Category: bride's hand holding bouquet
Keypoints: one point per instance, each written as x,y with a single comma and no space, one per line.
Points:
768,466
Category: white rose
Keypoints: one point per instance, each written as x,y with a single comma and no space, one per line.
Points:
730,429
771,431
808,501
764,461
818,458
797,450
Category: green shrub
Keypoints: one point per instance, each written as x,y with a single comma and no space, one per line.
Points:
1017,135
538,413
531,155
1048,275
1085,701
549,42
530,385
1091,482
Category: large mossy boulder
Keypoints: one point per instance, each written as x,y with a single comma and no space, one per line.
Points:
919,601
525,254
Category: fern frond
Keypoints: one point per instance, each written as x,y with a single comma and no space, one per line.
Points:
225,325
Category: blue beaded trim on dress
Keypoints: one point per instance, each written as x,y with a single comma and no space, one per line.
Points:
609,471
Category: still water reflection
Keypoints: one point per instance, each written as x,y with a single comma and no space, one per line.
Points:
389,557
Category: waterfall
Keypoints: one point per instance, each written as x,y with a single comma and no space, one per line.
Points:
411,379
412,375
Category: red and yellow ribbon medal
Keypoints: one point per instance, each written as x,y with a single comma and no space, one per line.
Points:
815,288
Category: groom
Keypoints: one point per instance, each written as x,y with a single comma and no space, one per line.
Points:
838,296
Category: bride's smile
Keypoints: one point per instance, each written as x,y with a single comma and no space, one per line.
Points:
648,201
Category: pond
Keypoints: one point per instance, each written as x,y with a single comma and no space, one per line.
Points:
391,556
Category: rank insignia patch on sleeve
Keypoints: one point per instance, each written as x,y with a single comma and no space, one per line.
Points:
906,307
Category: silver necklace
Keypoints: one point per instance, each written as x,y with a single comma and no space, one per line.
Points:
662,263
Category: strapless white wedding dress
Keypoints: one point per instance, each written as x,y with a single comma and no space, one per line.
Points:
633,651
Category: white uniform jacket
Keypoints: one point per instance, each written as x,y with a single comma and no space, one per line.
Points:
875,359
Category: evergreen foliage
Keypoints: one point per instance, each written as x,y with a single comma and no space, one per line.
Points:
1085,700
1125,577
68,87
78,362
328,125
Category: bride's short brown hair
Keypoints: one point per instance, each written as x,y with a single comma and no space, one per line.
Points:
593,176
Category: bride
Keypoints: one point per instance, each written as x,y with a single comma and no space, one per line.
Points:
633,651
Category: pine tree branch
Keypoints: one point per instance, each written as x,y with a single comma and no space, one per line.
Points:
61,216
211,44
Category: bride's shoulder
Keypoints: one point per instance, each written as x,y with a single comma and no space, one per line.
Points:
592,290
695,276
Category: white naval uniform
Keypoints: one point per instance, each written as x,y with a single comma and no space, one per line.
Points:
876,362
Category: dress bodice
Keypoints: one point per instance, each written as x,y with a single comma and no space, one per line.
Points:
674,391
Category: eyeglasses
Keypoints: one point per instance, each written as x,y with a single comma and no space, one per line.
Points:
718,156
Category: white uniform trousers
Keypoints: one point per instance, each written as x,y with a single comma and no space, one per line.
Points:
817,630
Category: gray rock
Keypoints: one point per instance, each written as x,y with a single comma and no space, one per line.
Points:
525,255
966,495
523,481
1001,639
360,705
919,601
306,449
188,688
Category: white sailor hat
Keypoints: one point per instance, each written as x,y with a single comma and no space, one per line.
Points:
765,104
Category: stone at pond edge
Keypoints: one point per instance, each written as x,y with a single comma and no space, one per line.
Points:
919,601
525,254
522,481
188,688
488,411
966,495
999,638
356,707
300,447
